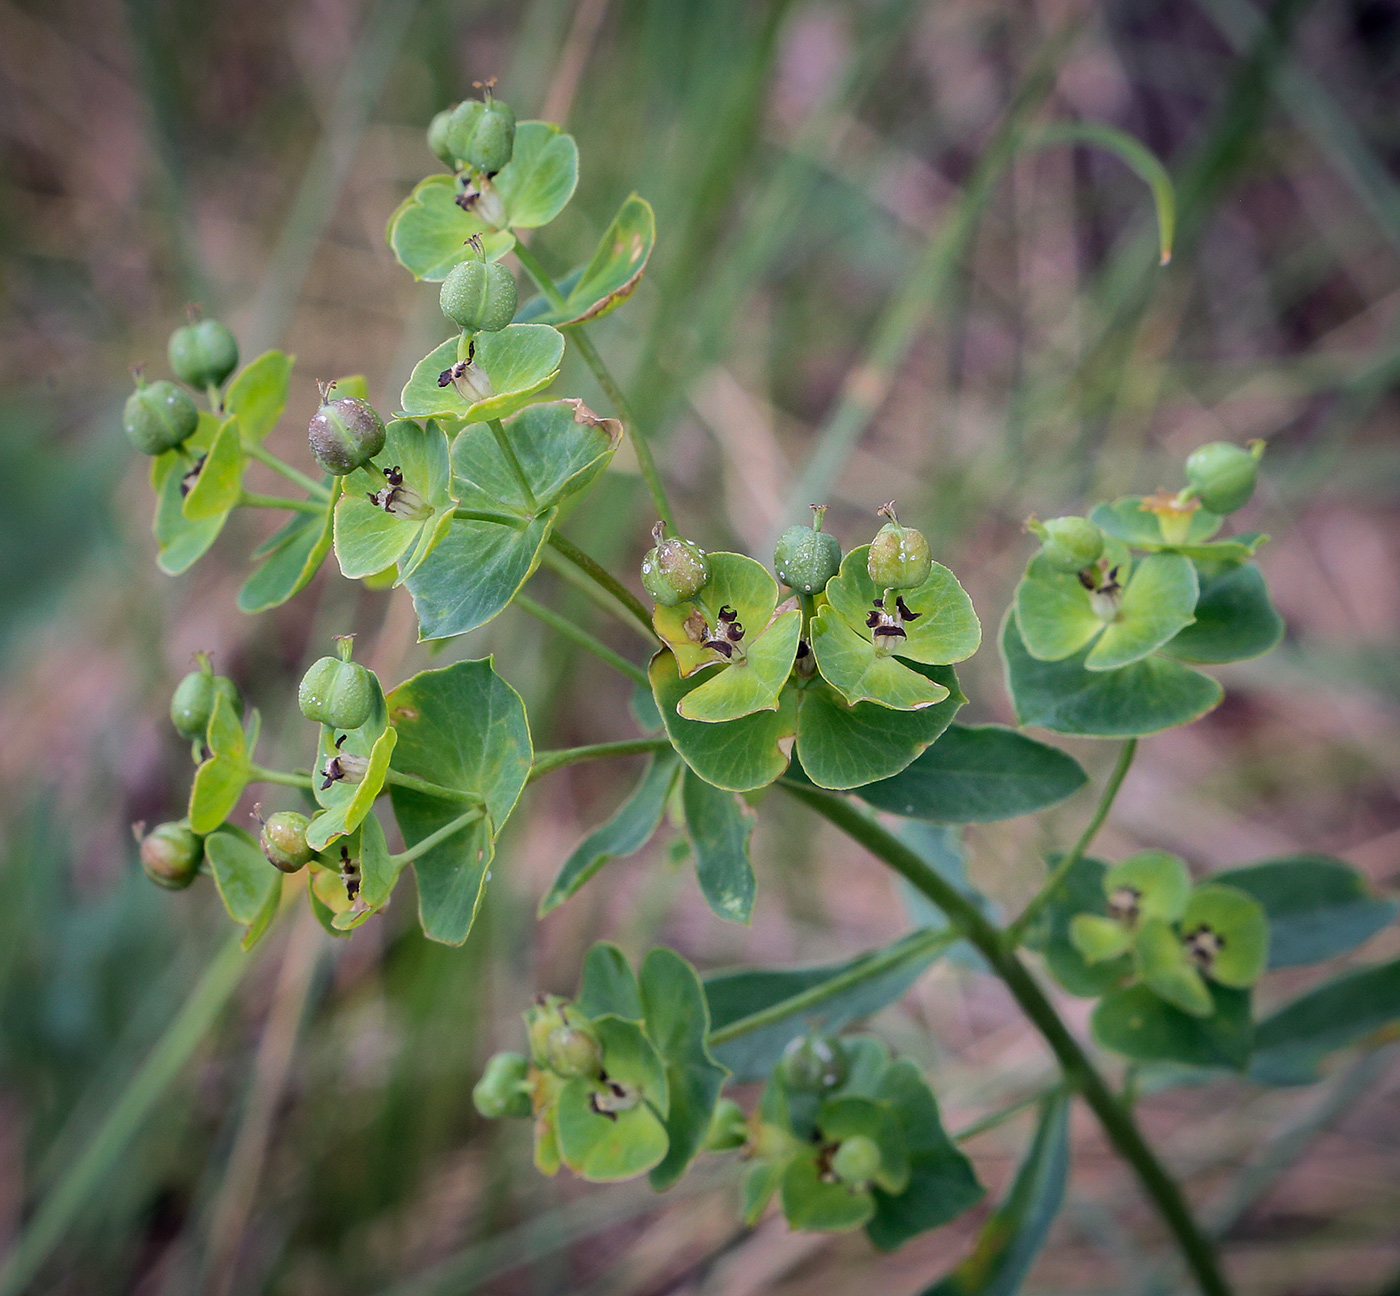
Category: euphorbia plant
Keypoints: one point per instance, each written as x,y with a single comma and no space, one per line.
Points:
837,686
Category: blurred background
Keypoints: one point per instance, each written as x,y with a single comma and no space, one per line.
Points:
840,301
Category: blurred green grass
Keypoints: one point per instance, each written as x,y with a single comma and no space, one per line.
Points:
801,158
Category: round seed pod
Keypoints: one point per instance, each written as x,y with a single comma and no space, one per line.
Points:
439,137
503,1089
461,127
573,1050
479,295
1226,933
900,557
1223,475
345,434
813,1064
283,841
192,703
674,569
203,353
170,855
1070,544
336,693
159,416
856,1160
729,1127
493,140
806,557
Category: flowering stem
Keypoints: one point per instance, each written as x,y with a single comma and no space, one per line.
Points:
313,488
606,580
249,500
582,638
546,762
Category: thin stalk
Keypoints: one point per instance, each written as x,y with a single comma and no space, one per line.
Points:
582,638
1078,1069
449,829
174,1048
645,461
264,456
249,500
603,577
927,944
415,784
508,454
1018,929
546,762
501,519
993,1119
287,778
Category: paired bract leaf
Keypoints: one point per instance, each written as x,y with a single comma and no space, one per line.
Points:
540,177
720,825
608,984
860,673
346,801
290,564
248,885
1141,1025
978,774
1234,618
221,777
183,541
462,727
520,360
429,232
1126,520
258,394
1144,698
220,481
1078,895
611,275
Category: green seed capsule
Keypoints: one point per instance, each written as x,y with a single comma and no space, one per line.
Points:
573,1050
807,557
729,1127
439,137
203,354
193,701
461,130
336,693
541,1020
493,141
1223,474
675,569
856,1160
158,417
813,1064
283,841
345,434
899,558
479,295
1070,544
170,855
503,1089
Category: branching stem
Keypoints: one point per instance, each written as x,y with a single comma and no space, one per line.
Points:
581,637
546,762
600,576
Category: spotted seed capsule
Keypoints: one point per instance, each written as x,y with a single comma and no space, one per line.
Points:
806,557
900,557
1223,475
1070,544
158,416
344,434
283,841
673,569
336,692
170,855
460,129
493,140
479,295
193,701
504,1087
813,1064
203,353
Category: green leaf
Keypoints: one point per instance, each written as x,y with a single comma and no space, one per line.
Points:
220,779
1168,970
609,278
462,727
745,991
1318,907
720,826
608,984
628,830
677,1023
1144,698
378,874
258,395
1011,1239
739,755
841,746
220,480
1053,612
520,359
540,177
241,872
1135,1022
1291,1045
346,803
1234,618
942,1184
947,629
813,1204
182,542
751,682
979,774
1079,892
852,665
737,583
1158,601
606,1148
288,569
428,232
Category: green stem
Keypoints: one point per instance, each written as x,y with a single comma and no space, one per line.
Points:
249,500
287,778
582,638
508,454
645,461
546,762
601,576
925,944
413,783
57,1211
1079,1071
313,488
449,829
993,1119
501,519
1018,929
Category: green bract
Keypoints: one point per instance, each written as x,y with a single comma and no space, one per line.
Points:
1223,474
505,369
203,353
170,855
1226,934
159,416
